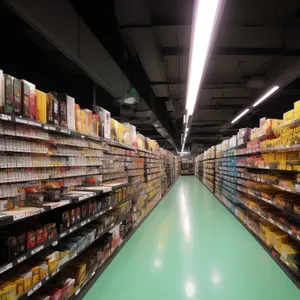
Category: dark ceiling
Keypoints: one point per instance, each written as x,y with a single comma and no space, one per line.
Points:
149,41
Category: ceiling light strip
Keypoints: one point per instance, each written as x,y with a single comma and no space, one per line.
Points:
266,95
240,115
203,22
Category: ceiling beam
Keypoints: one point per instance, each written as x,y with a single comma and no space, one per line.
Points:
177,51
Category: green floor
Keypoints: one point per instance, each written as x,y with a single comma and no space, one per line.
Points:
191,247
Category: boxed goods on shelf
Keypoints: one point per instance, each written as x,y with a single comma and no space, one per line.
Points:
2,91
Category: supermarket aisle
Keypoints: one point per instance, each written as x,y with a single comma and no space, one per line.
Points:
191,247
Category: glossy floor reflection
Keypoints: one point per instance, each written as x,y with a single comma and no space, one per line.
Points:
191,247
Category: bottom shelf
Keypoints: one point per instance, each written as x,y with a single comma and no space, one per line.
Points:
294,277
86,286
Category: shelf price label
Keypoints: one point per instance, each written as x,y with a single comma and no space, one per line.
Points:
83,197
21,259
5,268
83,223
38,249
63,234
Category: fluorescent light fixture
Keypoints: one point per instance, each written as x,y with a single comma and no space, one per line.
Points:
205,12
240,115
266,95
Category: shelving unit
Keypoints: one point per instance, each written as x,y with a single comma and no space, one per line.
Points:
257,179
187,165
103,190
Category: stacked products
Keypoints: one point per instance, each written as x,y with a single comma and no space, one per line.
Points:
257,179
73,186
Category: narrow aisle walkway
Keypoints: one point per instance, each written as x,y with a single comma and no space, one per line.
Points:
191,247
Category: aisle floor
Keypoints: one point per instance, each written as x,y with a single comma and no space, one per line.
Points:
191,247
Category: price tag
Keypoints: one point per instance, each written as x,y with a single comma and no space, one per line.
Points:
83,197
110,207
20,259
77,292
38,249
54,243
93,273
298,237
48,127
83,223
5,268
47,278
63,234
19,216
290,231
97,215
65,130
22,121
88,220
82,136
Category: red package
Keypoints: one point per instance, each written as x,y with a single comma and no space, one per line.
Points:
30,240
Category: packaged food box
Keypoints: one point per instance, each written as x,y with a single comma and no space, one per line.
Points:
2,91
105,123
8,291
89,121
50,108
114,130
63,112
25,96
71,118
41,106
9,94
32,102
78,121
17,97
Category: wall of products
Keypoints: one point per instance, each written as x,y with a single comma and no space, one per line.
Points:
255,174
74,185
187,165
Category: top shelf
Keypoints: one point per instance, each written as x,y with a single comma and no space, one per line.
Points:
67,131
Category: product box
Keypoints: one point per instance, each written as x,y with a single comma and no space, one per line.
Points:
83,117
105,122
63,112
41,106
78,121
9,94
122,134
88,121
17,97
32,102
2,91
71,113
288,117
25,94
297,106
50,109
114,129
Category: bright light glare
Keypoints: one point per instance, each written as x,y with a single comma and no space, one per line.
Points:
203,21
216,278
190,289
266,95
240,115
157,263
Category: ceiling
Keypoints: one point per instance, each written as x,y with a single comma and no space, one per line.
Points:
256,45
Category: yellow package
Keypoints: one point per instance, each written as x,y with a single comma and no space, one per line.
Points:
19,282
8,291
114,129
35,274
297,106
41,106
27,276
296,115
53,260
44,270
121,133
